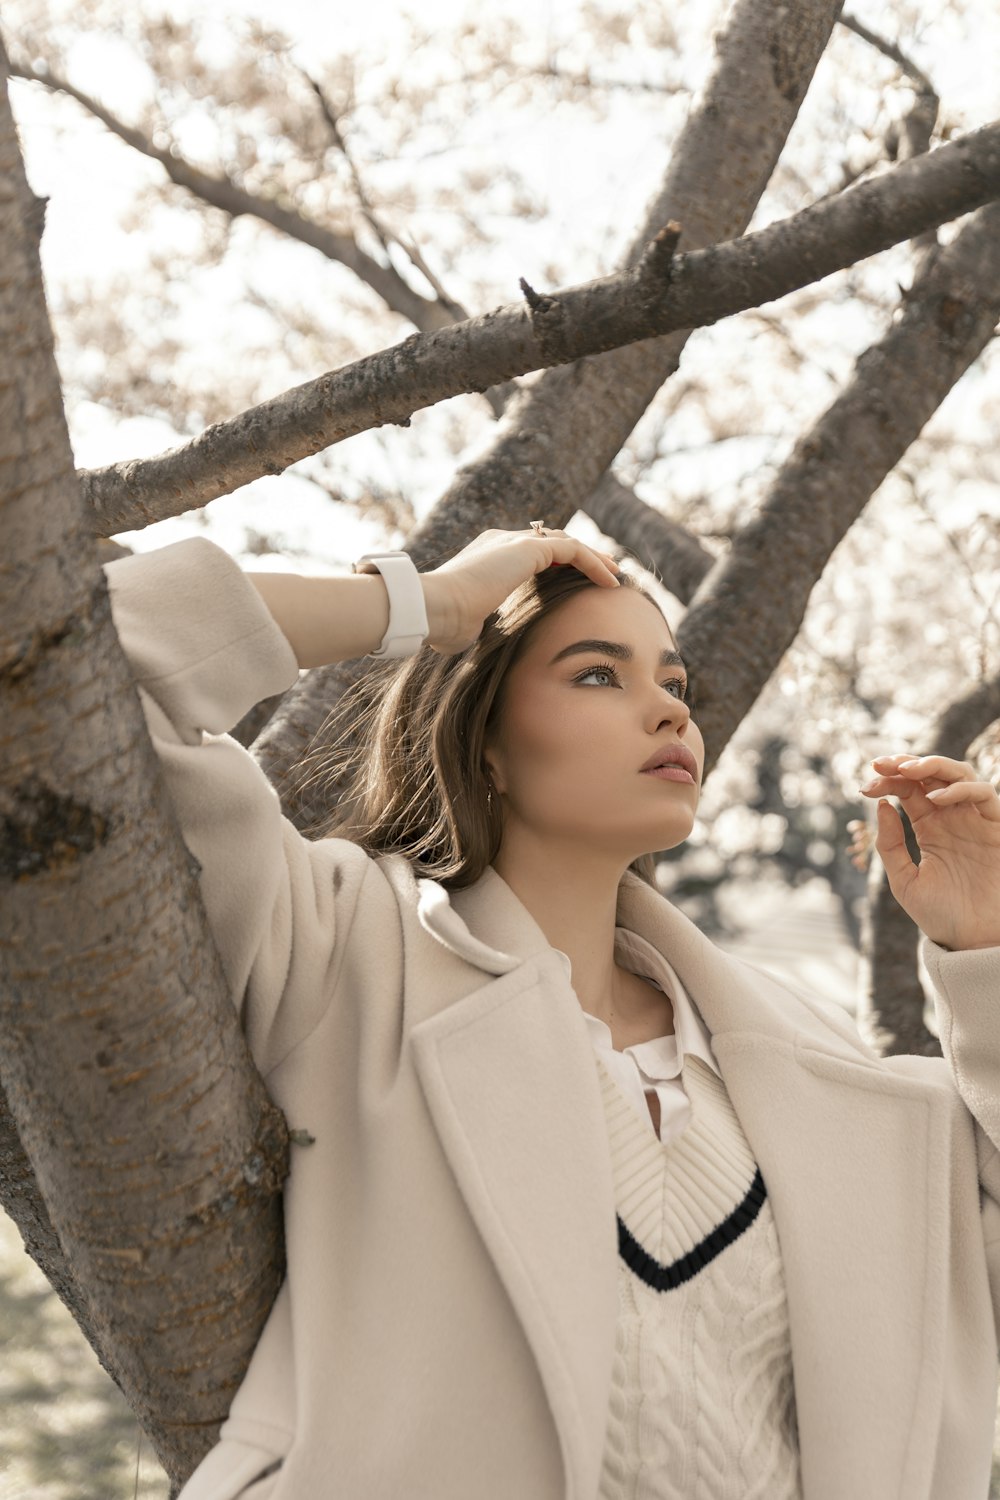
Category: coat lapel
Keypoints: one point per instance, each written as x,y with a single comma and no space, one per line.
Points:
854,1156
510,1083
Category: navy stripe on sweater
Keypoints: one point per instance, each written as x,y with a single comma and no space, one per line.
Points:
666,1278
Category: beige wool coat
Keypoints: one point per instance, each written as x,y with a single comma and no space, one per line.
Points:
447,1324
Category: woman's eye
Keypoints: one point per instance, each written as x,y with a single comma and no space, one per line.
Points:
600,671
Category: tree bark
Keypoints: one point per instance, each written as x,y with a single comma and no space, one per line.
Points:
891,1007
658,294
157,1153
562,433
749,609
25,1205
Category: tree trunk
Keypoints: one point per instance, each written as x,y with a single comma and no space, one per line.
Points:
158,1155
891,1002
891,1008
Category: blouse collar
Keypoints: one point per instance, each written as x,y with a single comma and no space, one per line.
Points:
659,1059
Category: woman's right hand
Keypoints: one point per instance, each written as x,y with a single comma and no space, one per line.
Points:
476,581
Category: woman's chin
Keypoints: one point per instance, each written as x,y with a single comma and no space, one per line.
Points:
676,832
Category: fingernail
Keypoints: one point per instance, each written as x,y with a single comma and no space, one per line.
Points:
870,786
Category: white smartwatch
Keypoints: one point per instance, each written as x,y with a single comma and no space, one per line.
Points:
408,627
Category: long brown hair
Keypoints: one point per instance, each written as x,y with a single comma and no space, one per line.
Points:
406,767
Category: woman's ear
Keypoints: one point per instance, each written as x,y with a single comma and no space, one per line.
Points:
492,770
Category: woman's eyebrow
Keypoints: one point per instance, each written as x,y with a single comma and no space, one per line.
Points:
614,648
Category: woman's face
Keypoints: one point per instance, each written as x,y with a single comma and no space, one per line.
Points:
579,725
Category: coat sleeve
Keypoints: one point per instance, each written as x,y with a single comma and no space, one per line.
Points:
203,649
967,1000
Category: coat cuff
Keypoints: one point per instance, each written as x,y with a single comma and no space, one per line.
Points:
969,973
967,1002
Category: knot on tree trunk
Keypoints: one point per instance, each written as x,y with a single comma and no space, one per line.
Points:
43,830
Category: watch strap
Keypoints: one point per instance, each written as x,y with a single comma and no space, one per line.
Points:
408,627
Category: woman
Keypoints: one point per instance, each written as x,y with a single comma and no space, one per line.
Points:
590,1208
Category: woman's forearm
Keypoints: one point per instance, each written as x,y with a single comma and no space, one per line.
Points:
336,619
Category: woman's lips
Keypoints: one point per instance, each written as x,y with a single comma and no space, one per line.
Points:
670,773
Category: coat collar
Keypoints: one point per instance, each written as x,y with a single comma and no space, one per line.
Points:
854,1155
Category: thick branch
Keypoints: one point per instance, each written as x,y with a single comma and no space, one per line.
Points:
678,558
227,196
964,721
157,1152
662,292
735,634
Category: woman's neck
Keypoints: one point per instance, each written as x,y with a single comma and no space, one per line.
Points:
576,908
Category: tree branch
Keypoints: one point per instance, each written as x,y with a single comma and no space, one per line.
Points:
495,396
224,194
891,1006
652,538
964,721
731,643
912,137
385,236
660,293
890,50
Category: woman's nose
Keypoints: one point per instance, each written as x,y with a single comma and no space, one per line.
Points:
675,711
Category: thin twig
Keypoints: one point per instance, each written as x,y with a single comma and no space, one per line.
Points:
385,236
891,50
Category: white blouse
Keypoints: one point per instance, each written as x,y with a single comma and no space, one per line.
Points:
653,1066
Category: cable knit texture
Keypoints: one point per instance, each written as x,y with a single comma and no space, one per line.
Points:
702,1401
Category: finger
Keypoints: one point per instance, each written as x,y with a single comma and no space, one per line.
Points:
889,786
586,559
923,767
554,534
890,841
980,793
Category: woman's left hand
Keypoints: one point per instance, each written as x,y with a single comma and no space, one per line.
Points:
953,895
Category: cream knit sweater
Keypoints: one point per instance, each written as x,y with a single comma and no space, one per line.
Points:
702,1401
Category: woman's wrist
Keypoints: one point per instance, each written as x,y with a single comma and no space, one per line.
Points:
327,620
